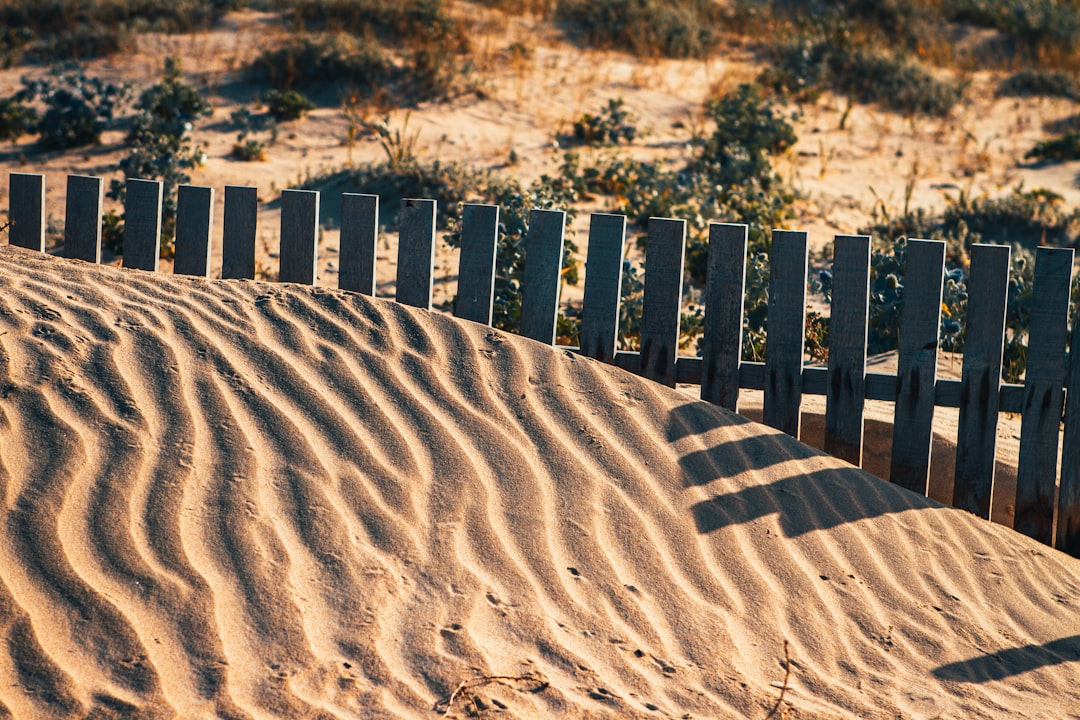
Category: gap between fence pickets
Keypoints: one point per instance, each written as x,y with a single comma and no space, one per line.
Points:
979,395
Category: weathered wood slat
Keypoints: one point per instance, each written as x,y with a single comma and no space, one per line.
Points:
416,253
476,267
299,236
194,230
543,273
1068,513
846,393
787,330
359,242
724,296
82,218
238,232
981,379
142,224
920,320
26,211
603,286
662,299
1044,396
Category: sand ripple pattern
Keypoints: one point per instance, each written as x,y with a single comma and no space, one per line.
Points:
246,500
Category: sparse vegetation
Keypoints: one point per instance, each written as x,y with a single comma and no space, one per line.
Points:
1065,147
646,28
248,148
78,107
287,105
1040,83
16,119
161,147
614,124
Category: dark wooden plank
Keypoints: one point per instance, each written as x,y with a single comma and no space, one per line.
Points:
724,295
142,224
662,299
543,274
299,236
416,253
920,319
1044,397
359,242
603,286
476,267
26,211
847,348
1068,506
194,230
981,379
238,232
82,218
786,331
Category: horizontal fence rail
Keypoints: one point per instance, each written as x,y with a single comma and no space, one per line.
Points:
1047,505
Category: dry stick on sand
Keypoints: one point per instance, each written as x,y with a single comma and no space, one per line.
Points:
787,676
472,683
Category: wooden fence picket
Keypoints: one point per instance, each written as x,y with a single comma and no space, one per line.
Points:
1068,514
359,241
194,230
787,331
1044,396
916,373
416,253
976,440
26,211
543,275
603,286
476,268
845,397
142,224
662,299
238,232
725,283
82,218
299,252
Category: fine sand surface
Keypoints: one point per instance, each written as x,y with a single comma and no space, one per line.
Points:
235,499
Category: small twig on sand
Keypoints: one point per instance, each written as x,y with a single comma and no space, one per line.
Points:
787,676
465,686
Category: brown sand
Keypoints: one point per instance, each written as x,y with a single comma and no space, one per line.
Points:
243,500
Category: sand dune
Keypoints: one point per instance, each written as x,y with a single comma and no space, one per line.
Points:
247,500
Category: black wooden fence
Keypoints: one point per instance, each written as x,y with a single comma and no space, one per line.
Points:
1047,505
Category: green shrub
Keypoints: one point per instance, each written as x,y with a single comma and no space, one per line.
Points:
248,148
78,107
609,127
646,28
314,60
1035,25
1066,147
16,119
804,68
287,105
160,147
408,21
1040,83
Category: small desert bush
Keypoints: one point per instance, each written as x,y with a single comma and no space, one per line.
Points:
321,60
803,68
249,147
160,147
287,105
78,107
1066,147
1040,83
1047,30
610,126
646,28
16,119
